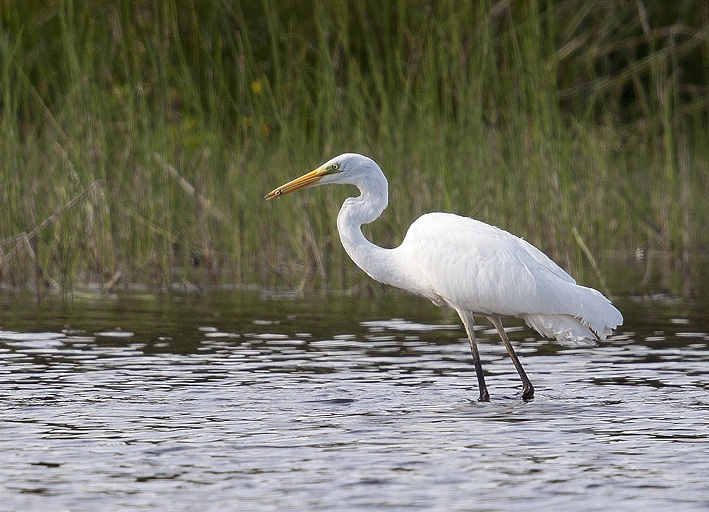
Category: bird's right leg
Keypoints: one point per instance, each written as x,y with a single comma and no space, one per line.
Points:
469,323
528,389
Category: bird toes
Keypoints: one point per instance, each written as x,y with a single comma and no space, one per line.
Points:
528,393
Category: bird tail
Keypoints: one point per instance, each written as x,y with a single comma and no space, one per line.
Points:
596,320
563,328
589,316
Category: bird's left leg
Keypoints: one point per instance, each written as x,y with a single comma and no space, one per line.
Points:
469,323
528,391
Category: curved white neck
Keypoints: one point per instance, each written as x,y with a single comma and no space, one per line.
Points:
377,262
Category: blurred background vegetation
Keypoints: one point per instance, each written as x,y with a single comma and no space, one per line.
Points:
139,137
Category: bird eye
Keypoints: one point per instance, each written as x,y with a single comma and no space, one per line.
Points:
335,167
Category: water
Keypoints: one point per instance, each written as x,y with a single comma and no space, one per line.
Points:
255,401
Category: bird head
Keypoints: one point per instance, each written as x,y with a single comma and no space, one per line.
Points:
341,169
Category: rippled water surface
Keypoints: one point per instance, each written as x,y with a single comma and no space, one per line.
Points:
254,401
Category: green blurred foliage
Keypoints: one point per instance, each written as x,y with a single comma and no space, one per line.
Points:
560,120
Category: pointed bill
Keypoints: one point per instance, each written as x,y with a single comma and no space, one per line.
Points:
307,180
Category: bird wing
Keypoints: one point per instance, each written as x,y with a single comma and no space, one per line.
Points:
484,269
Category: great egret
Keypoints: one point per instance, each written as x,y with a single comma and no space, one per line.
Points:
470,266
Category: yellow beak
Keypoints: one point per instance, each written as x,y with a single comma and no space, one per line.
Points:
307,180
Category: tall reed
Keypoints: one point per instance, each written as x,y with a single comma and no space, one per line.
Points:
140,137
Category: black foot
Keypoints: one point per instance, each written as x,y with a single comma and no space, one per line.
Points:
528,393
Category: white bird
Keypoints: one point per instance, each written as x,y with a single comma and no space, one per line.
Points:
465,264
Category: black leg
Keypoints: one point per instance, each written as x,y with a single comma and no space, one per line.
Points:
469,322
528,391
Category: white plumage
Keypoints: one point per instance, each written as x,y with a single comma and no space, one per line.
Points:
486,270
470,266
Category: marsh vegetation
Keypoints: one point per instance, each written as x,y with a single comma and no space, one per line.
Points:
139,138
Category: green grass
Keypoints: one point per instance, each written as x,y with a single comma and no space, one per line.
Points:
140,138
